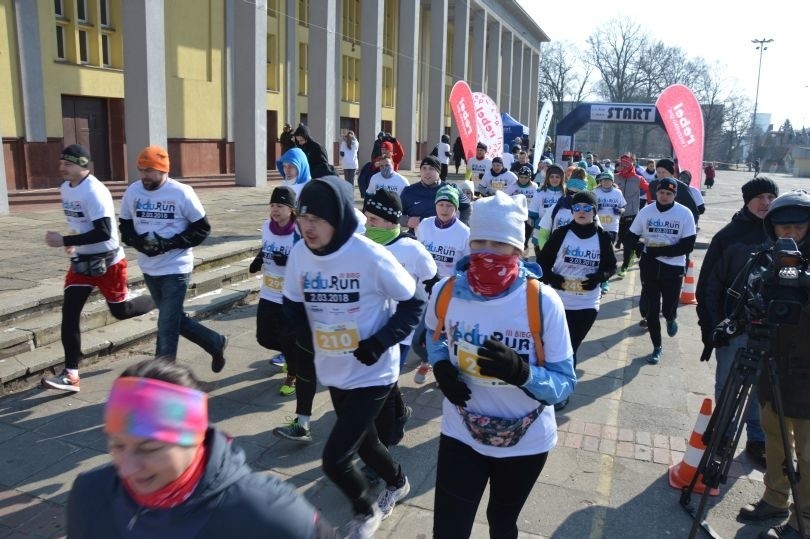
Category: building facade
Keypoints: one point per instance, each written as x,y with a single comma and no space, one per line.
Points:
214,80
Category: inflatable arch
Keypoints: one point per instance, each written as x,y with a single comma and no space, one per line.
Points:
625,113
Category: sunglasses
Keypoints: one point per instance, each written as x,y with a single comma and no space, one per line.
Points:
582,207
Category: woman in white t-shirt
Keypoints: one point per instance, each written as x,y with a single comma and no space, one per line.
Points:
278,237
348,156
496,377
576,259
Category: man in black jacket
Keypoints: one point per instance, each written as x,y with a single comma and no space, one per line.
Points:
316,154
728,252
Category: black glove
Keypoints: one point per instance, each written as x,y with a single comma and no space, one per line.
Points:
256,265
159,245
428,284
447,376
279,258
720,337
554,280
708,342
368,351
499,361
653,251
591,281
136,242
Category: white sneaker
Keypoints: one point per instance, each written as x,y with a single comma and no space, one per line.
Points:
364,526
390,496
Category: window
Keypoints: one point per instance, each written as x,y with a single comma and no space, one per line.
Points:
84,57
388,87
303,68
58,8
351,21
60,43
389,28
104,12
350,79
272,62
303,12
272,8
81,10
105,50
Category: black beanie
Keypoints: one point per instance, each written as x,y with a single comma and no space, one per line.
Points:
431,162
319,199
666,164
385,204
76,154
283,195
586,197
759,185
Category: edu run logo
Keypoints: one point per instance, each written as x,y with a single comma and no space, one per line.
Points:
519,341
441,253
72,208
663,226
155,209
580,256
338,283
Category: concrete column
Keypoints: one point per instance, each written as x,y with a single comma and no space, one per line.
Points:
337,72
505,73
407,63
30,61
461,40
493,66
517,79
371,33
4,208
321,113
478,29
534,95
438,70
525,91
290,63
229,55
250,89
144,78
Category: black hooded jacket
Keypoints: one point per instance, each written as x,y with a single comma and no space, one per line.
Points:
231,500
316,154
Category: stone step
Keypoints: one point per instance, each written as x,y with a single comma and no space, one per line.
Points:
24,368
38,331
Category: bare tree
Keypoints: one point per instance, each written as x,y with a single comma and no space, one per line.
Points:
737,111
563,76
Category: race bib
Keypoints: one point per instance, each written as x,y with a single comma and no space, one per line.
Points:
605,219
570,285
468,366
274,282
336,339
497,185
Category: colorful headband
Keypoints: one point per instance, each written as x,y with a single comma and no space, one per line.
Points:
80,160
157,410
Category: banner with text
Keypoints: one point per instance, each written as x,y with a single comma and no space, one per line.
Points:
461,102
683,120
543,123
490,127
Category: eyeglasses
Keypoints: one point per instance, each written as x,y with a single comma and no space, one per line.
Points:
582,207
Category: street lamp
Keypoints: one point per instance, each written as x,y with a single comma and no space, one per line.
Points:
761,48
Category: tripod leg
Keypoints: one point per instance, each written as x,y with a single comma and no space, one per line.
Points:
791,472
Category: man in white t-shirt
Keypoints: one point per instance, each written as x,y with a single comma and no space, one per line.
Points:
96,259
339,294
479,164
667,230
387,178
348,156
163,219
443,153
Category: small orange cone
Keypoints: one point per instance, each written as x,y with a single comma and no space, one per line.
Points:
680,475
688,287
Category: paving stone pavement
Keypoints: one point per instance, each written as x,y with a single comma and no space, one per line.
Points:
627,422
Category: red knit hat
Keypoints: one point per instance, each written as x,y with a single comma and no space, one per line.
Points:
155,157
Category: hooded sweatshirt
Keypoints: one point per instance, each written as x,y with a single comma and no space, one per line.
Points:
316,154
231,500
296,157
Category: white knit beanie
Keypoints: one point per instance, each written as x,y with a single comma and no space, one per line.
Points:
500,218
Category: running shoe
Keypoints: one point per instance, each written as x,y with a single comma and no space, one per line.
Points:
421,373
390,496
288,387
63,381
293,431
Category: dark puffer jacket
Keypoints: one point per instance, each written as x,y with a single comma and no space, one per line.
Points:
230,501
316,154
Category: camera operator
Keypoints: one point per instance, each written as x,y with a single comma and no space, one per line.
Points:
728,253
788,217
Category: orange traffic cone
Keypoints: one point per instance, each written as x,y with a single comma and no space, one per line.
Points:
688,287
680,475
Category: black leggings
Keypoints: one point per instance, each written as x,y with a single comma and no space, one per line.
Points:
461,477
75,297
579,324
661,290
354,432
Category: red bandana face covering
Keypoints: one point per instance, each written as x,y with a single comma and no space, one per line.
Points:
491,274
178,490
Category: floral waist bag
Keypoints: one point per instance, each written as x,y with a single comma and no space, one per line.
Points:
498,431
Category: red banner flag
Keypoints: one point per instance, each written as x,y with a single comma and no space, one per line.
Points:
683,120
461,102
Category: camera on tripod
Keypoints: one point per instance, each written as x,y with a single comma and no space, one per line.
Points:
776,297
